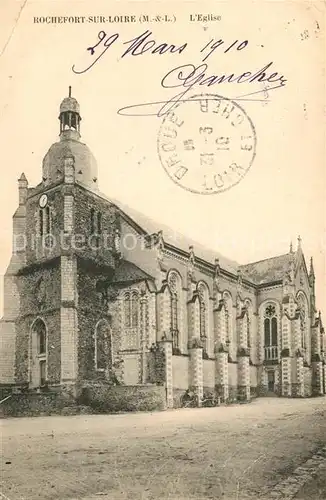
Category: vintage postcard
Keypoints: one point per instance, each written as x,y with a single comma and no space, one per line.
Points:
162,250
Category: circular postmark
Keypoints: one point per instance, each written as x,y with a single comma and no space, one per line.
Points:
207,144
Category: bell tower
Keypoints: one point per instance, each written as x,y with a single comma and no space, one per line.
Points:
63,246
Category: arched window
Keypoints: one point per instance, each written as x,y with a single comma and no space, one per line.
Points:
103,348
131,309
174,287
270,332
40,330
38,353
131,319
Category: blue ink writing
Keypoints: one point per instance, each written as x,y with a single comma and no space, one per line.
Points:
137,46
186,76
218,43
107,43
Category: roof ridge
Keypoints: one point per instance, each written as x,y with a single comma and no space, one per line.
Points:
168,232
264,260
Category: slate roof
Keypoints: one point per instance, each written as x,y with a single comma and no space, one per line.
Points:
261,272
129,272
176,239
267,270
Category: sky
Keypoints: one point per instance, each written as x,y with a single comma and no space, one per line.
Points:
283,194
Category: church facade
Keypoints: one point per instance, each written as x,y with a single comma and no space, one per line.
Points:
97,293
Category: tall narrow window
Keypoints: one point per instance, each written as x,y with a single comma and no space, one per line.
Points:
40,331
131,309
173,282
248,320
203,319
267,331
40,214
42,340
303,311
227,324
92,221
134,309
174,311
103,348
302,328
47,220
127,315
248,333
228,318
131,319
99,223
274,331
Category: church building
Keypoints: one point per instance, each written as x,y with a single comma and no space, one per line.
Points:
96,293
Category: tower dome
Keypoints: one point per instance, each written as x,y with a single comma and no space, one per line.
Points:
69,104
70,145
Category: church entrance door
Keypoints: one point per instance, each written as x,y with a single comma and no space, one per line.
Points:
271,381
38,368
35,366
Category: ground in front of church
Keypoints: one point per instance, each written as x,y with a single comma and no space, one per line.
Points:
271,448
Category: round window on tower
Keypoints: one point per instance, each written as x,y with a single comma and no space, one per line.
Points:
43,200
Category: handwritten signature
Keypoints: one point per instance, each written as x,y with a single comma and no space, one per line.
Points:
186,76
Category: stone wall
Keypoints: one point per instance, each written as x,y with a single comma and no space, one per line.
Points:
90,311
180,372
85,201
307,374
208,374
36,250
233,381
7,352
44,302
253,381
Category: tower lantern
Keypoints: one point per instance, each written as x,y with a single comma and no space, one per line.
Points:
69,156
69,118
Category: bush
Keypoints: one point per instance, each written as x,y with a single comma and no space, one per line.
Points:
208,399
189,399
113,399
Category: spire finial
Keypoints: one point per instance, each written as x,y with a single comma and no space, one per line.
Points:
299,242
69,90
291,247
22,177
